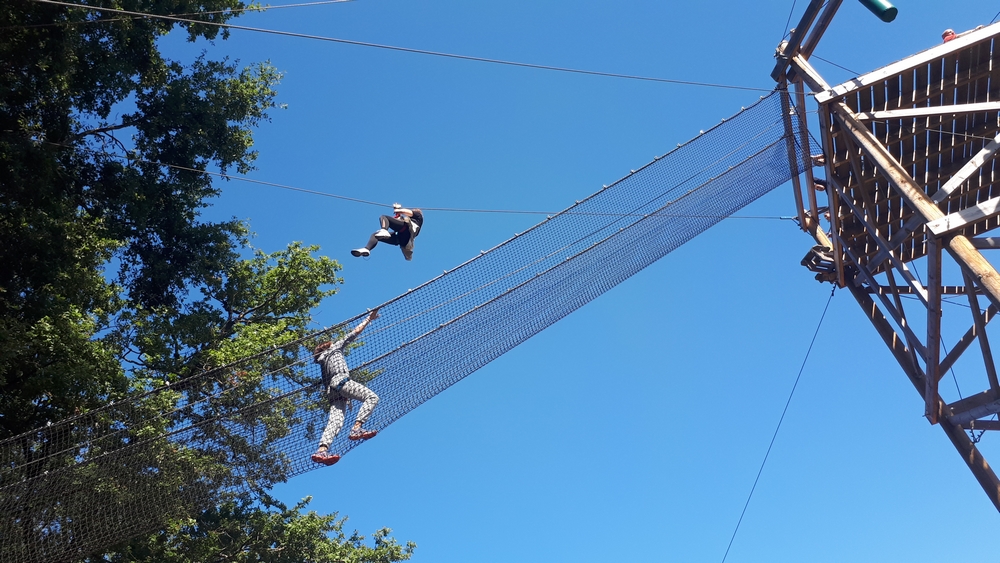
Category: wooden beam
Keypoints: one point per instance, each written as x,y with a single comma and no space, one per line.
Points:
831,196
810,42
966,448
980,321
978,411
800,112
909,63
918,288
956,180
808,74
898,301
897,239
907,290
968,169
981,470
786,117
933,111
986,242
969,403
970,335
961,219
981,270
889,336
909,336
931,404
787,50
959,246
886,164
981,425
975,460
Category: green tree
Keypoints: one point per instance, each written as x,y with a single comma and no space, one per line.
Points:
111,282
237,533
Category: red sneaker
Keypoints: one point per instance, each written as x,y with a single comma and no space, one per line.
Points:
325,458
362,434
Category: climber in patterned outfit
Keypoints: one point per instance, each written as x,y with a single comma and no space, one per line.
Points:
340,388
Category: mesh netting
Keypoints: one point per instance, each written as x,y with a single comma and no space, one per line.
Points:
76,487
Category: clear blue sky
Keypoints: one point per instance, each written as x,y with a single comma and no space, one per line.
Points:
633,429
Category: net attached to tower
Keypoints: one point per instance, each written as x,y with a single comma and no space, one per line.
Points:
77,487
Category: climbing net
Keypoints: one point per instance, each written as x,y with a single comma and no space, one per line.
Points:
76,487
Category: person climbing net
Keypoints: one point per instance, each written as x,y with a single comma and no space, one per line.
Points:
340,389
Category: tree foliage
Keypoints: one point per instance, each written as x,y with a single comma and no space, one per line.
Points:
112,283
238,533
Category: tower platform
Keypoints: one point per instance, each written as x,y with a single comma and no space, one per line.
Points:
909,156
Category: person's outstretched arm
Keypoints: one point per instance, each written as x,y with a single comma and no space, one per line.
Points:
364,323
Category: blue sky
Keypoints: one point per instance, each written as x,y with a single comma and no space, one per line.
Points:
634,428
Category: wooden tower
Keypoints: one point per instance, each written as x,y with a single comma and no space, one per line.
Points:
913,187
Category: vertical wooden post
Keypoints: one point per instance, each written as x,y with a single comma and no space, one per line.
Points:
786,117
825,122
933,347
800,101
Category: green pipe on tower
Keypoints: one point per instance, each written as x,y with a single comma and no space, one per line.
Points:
881,8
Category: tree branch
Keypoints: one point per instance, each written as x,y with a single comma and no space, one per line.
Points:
101,130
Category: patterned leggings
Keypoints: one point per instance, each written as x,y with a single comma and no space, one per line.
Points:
338,404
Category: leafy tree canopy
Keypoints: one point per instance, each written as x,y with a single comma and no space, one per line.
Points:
111,282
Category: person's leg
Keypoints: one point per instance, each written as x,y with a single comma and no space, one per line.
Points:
393,223
333,426
358,392
384,235
334,423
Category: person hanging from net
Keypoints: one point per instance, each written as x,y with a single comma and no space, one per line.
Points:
398,230
340,389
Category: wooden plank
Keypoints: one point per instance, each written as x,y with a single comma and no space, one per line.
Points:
934,53
961,78
945,110
977,411
971,402
979,71
907,290
969,168
940,92
961,219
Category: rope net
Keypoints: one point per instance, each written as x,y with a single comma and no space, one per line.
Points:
84,484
